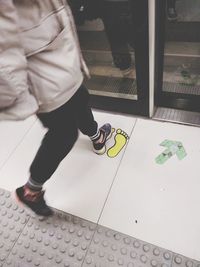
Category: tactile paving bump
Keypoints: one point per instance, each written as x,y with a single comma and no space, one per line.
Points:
60,240
12,222
67,241
181,261
112,249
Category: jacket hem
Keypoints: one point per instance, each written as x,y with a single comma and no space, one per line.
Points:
60,100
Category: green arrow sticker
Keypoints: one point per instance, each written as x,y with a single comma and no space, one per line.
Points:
172,148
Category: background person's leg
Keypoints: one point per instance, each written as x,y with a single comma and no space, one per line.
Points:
115,30
171,10
171,3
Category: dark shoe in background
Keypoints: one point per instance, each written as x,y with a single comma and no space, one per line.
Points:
171,14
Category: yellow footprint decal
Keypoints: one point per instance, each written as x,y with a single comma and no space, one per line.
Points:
121,139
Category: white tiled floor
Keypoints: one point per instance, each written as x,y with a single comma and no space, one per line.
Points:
163,199
11,134
82,182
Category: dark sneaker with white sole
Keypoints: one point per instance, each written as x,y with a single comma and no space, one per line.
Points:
34,201
171,14
105,133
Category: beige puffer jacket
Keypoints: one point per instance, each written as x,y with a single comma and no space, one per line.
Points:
40,58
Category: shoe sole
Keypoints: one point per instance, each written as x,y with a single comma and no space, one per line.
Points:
172,19
15,196
22,204
103,150
19,202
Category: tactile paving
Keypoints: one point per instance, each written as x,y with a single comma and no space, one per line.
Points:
61,240
68,241
12,222
111,249
181,261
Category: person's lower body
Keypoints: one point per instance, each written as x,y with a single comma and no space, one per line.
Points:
117,31
63,125
171,10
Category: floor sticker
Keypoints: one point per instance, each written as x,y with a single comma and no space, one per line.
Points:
121,139
172,148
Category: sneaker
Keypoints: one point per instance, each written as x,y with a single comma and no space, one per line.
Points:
35,201
100,147
128,73
171,14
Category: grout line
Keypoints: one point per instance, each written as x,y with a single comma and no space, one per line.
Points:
15,148
173,256
86,253
114,177
97,224
14,243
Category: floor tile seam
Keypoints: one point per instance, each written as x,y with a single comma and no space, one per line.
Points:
174,254
139,240
136,121
97,225
86,253
17,240
173,257
18,144
95,230
114,178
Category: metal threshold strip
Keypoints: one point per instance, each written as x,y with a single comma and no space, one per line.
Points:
124,88
181,88
177,116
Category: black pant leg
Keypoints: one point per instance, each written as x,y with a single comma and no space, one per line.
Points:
171,3
115,30
62,124
56,144
84,116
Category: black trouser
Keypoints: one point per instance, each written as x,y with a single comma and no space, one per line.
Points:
171,3
119,29
63,124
